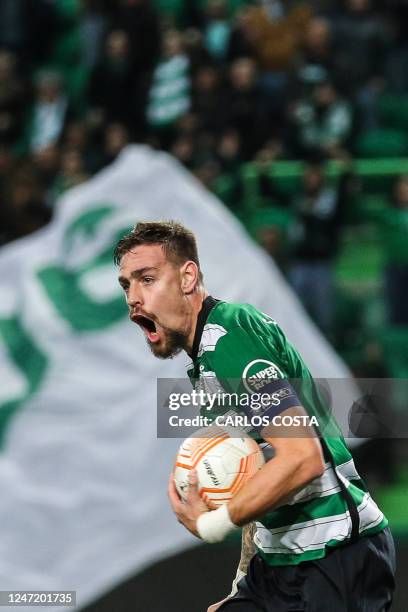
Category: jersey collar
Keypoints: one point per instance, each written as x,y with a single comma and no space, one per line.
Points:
206,308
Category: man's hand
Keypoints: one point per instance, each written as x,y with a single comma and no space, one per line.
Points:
188,511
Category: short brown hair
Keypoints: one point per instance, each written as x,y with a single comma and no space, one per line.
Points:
179,242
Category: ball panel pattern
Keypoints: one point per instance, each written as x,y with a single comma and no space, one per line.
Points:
223,463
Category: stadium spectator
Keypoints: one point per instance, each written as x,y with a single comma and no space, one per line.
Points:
315,237
323,122
207,98
6,221
242,106
217,29
229,151
92,28
12,98
140,21
362,40
269,191
49,113
206,172
72,173
12,24
397,57
194,47
317,48
394,225
25,197
116,138
112,82
75,136
240,44
46,163
183,149
27,27
276,203
276,33
188,125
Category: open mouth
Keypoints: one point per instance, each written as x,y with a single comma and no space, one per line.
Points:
148,326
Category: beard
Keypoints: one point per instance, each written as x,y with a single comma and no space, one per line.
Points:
175,342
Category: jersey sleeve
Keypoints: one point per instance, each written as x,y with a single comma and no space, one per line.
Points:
253,346
252,359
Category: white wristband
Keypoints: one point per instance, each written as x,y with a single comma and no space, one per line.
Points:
213,526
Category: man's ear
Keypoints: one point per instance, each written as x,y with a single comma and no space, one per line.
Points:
189,277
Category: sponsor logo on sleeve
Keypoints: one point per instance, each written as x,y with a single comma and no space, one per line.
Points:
258,373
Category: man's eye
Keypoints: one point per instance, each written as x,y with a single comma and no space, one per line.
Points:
147,280
125,288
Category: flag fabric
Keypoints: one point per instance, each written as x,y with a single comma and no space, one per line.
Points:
82,473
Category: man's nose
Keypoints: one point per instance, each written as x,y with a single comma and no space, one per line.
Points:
134,297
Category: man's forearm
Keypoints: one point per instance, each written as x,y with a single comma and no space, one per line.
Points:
277,481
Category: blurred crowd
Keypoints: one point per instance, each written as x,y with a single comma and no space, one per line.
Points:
215,82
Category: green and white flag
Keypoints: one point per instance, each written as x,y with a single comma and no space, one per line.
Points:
82,473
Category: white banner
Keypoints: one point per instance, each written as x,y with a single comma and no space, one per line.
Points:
82,474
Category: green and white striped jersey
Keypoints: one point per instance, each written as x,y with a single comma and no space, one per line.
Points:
236,342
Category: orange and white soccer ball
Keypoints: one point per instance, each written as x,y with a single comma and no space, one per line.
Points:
225,459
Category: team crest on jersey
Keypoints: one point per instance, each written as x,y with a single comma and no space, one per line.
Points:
258,373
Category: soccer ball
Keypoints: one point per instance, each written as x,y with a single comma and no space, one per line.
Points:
225,459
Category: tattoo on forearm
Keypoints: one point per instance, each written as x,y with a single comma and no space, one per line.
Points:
248,547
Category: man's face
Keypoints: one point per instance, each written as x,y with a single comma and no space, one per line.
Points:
153,287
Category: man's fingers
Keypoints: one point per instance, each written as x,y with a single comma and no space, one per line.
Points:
174,497
192,491
193,495
193,479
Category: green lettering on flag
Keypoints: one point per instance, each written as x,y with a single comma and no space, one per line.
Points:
29,359
86,224
63,286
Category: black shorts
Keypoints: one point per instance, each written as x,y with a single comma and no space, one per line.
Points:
357,577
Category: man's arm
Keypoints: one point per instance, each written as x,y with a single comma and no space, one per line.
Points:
297,461
248,547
